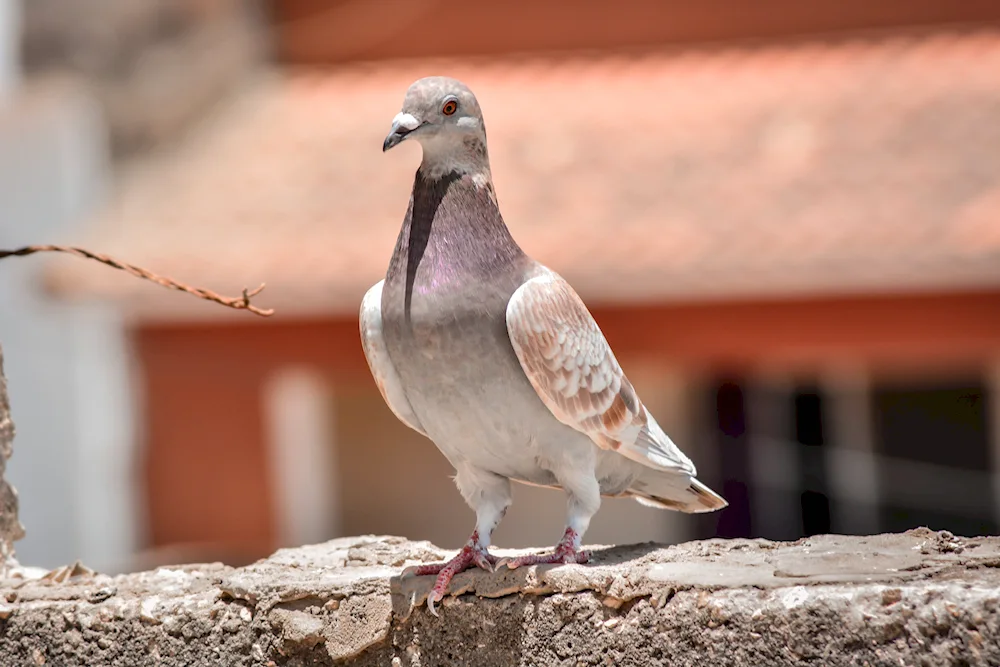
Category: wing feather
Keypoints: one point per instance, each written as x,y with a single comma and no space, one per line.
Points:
379,362
572,368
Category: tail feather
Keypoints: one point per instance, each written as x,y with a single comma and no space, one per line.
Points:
693,499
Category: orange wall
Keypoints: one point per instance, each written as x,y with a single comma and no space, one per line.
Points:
204,461
326,31
205,458
885,331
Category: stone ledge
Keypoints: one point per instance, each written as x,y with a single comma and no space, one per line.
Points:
919,598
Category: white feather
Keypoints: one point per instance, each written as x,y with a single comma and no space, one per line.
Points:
386,377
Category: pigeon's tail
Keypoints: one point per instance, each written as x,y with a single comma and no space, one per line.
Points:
695,498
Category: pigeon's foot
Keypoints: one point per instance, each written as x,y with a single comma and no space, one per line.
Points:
472,554
565,552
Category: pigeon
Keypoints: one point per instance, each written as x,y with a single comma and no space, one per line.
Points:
496,359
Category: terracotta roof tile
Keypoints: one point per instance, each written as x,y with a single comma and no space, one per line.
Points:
858,165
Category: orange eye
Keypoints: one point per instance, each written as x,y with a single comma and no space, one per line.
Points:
450,107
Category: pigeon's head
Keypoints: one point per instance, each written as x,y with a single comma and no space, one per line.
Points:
444,116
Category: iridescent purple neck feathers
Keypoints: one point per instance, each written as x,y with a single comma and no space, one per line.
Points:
452,234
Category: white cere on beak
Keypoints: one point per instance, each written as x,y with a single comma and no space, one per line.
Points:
405,121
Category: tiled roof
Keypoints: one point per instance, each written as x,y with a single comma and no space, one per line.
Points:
861,165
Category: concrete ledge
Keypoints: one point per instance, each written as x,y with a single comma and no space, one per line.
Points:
919,598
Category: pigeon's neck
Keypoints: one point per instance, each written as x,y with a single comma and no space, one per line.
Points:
453,230
445,155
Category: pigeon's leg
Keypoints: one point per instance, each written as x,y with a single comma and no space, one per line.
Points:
583,502
489,495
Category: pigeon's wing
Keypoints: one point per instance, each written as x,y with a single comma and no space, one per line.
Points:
571,366
386,377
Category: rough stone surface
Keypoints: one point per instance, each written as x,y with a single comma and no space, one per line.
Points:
10,527
919,598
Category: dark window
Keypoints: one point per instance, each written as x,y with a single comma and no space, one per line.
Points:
936,444
730,429
787,511
814,501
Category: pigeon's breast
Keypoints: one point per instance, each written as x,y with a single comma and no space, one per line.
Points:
449,344
448,333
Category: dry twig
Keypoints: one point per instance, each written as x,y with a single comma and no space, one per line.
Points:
239,303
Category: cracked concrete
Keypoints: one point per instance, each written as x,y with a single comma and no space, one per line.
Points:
11,529
919,598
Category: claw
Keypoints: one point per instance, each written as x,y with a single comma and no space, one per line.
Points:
556,558
430,603
565,553
473,554
484,560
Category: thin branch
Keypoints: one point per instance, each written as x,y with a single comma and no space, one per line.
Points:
239,303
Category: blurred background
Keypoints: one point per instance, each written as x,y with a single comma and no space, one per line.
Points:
785,216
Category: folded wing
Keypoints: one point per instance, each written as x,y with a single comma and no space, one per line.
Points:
572,368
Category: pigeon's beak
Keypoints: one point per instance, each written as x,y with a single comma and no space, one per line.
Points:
402,125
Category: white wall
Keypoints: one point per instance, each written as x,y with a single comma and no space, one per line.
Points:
67,366
301,438
10,27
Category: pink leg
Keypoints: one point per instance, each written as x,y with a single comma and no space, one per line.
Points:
472,554
566,551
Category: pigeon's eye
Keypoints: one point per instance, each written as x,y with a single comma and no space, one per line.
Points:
450,107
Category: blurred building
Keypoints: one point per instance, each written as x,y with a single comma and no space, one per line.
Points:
84,87
786,219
